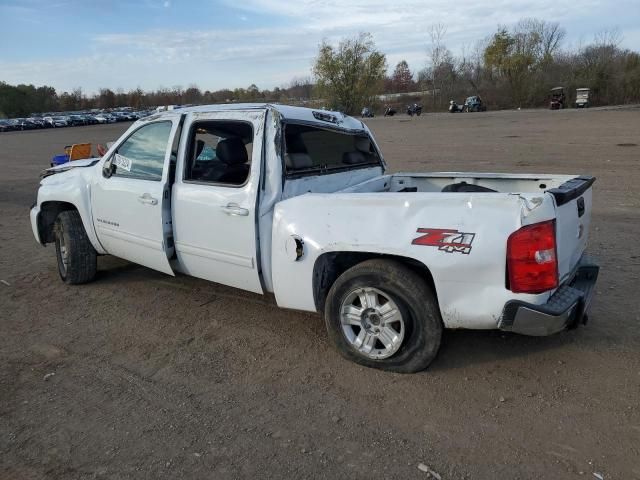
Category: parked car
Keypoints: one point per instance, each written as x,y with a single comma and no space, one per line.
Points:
89,119
582,97
105,118
474,104
56,121
37,121
77,120
25,124
291,191
6,126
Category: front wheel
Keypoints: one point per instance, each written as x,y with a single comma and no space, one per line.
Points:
382,314
77,259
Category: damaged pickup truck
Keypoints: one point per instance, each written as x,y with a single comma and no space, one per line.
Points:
271,198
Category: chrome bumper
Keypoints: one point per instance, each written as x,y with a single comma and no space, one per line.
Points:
566,308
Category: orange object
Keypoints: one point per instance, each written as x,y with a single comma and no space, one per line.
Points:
78,151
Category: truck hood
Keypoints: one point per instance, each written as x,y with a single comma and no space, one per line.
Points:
88,162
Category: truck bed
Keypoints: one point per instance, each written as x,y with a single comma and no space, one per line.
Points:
443,182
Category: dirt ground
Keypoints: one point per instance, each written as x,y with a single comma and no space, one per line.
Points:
140,375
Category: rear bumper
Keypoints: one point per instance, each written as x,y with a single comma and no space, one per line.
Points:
566,308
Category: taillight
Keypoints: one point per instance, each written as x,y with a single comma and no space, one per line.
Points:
532,262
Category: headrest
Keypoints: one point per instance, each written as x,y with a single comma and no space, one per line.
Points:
363,144
352,158
295,144
232,151
299,160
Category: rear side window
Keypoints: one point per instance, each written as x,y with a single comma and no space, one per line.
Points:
142,155
310,149
219,152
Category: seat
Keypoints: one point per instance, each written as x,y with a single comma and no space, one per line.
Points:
362,153
297,156
233,154
298,161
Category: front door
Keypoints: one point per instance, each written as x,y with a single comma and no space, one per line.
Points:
214,198
131,200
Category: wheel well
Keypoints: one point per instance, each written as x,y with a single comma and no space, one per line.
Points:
330,266
49,211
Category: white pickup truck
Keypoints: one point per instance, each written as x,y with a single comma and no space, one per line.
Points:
271,198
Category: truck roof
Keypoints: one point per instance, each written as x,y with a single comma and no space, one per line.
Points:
289,112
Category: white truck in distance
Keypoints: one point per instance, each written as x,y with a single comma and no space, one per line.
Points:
271,198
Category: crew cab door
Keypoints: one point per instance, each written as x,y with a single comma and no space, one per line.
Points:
215,197
131,200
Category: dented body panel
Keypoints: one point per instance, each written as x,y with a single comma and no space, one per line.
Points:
469,281
290,224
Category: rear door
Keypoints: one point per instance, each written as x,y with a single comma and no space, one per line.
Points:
573,219
131,200
215,197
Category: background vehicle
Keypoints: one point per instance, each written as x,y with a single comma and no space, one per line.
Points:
6,126
24,124
77,120
303,207
454,107
474,104
366,113
415,109
105,118
389,112
56,121
557,98
582,97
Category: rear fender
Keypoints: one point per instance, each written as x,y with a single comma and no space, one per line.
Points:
466,263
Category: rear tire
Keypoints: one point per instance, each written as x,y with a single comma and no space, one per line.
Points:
77,259
363,328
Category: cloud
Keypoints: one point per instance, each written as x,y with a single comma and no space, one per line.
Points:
285,41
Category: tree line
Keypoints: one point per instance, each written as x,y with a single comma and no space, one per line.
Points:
513,67
23,100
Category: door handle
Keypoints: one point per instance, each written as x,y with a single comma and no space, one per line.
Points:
235,209
147,199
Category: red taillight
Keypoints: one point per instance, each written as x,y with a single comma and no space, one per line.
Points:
532,262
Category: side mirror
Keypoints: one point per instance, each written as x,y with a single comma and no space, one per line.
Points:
108,169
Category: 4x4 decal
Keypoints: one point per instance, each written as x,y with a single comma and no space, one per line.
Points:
446,240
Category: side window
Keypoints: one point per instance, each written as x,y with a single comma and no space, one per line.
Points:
142,155
219,152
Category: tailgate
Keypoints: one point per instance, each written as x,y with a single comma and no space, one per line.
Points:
573,218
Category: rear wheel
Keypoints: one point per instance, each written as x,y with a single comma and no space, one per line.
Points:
77,259
382,314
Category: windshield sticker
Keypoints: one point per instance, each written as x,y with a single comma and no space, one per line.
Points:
446,240
122,162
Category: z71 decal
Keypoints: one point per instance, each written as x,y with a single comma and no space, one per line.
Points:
445,239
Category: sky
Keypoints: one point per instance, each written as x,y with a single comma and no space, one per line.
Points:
217,44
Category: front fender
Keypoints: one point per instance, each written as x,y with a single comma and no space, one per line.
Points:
69,187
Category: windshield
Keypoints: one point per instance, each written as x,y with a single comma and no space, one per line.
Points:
312,149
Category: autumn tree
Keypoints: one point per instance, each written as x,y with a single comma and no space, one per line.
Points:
350,75
402,78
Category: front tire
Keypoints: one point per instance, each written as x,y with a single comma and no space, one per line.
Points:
382,314
77,259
